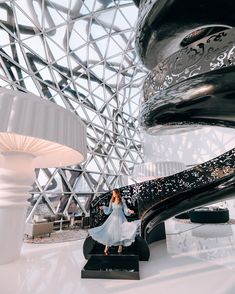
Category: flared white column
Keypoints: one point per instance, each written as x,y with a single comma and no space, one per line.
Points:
16,177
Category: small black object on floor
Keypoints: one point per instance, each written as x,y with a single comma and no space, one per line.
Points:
116,266
209,215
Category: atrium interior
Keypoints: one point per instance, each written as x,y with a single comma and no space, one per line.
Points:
93,59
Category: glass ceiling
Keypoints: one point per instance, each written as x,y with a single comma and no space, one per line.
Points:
80,55
81,52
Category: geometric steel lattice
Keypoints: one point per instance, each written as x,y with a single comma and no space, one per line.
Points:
79,55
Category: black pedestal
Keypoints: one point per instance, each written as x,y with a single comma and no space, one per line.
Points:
139,248
207,215
112,267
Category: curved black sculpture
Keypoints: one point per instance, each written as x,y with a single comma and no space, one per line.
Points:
189,83
157,200
165,26
194,101
209,215
207,54
190,47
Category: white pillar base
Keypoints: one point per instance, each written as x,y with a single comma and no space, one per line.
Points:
16,177
12,223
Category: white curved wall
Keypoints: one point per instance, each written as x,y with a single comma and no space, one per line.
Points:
190,148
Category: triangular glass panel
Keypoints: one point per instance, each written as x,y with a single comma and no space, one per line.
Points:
81,185
43,209
76,41
6,38
93,53
120,21
87,7
97,31
56,49
130,14
103,45
57,14
55,184
30,85
35,45
25,17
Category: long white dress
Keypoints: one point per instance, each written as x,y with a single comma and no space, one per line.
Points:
116,230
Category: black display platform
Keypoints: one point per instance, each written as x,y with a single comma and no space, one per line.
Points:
209,215
139,248
112,267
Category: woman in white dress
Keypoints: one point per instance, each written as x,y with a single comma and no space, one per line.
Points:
116,230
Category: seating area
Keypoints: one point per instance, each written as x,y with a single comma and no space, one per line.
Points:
46,224
38,229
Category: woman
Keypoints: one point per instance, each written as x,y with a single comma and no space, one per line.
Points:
115,231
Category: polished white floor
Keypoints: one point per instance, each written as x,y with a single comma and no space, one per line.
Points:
194,259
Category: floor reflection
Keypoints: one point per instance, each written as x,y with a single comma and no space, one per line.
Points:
192,259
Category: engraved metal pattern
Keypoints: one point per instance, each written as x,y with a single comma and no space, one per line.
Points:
163,25
190,87
208,54
142,196
200,176
194,101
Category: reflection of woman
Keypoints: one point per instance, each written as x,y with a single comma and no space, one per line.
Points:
115,231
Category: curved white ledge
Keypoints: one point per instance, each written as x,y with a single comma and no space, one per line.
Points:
54,135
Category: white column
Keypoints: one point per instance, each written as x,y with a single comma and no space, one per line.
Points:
16,177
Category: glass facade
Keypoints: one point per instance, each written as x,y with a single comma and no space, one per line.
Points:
79,55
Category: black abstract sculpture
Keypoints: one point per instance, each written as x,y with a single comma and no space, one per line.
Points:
160,199
190,51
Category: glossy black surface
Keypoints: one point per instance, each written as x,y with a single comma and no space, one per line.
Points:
156,234
139,248
112,267
88,246
157,200
196,100
206,183
192,84
164,25
205,215
207,54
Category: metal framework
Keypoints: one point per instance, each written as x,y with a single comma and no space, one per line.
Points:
80,55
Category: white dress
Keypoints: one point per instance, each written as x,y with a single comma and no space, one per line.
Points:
116,230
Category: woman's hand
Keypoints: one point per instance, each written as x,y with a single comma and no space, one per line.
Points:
131,211
101,207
